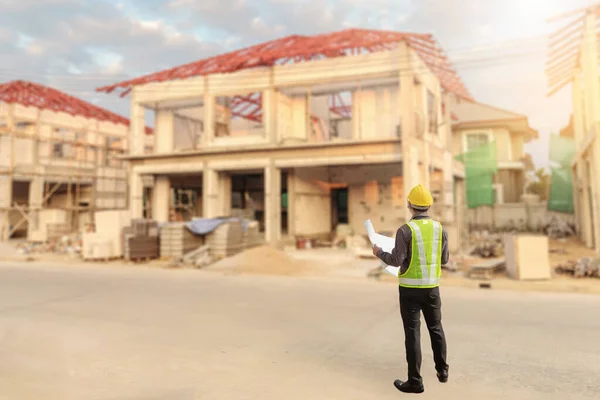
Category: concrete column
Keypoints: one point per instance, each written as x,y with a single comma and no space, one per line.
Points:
447,197
269,107
36,197
356,116
291,193
406,104
595,159
225,193
5,204
161,199
272,205
164,134
209,119
210,193
426,160
589,62
6,186
461,209
136,195
137,127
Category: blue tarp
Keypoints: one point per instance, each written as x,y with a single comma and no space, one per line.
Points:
203,226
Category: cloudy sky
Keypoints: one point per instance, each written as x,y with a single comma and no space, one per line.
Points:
498,46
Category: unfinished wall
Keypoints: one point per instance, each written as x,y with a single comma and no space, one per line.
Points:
292,117
376,111
509,216
374,192
188,132
312,201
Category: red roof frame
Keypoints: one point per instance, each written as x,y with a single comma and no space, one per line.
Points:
296,48
31,94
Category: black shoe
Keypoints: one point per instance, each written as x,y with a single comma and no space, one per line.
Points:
443,376
407,387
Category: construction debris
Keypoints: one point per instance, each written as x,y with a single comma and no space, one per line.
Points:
557,228
585,267
199,257
487,245
485,270
67,244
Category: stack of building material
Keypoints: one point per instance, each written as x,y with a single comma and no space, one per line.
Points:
109,225
176,240
527,257
106,243
140,241
227,239
95,248
252,235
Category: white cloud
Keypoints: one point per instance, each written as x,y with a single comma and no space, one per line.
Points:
101,42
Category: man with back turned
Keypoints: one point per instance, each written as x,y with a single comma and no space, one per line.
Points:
420,251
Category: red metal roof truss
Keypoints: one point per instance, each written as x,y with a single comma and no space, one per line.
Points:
30,94
296,49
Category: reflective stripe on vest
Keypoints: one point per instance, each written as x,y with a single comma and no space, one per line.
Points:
425,268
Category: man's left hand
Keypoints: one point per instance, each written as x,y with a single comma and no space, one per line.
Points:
376,250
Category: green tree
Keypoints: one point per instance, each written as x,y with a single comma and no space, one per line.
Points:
540,184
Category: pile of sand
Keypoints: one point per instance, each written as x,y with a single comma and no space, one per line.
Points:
263,260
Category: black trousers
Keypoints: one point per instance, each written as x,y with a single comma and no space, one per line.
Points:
412,302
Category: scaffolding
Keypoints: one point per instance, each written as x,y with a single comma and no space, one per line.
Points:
72,171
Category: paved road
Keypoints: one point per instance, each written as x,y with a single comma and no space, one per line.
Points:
125,334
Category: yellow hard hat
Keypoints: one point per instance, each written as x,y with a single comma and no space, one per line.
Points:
420,196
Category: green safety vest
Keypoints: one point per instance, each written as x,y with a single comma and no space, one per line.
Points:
425,268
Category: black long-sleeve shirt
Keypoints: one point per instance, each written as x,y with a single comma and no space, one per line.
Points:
401,254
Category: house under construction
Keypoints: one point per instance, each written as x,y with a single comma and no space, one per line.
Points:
58,161
304,132
573,59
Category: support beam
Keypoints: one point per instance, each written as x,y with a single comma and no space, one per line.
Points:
161,199
36,199
291,202
209,119
5,205
136,195
272,205
225,193
6,181
137,127
210,193
269,109
406,105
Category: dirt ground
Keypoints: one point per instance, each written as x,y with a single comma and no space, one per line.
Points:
562,250
344,264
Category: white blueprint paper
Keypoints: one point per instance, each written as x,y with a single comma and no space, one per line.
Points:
386,243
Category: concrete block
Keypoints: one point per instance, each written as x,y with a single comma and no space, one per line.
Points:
527,257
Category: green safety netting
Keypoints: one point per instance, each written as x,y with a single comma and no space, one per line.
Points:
561,191
562,151
480,166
